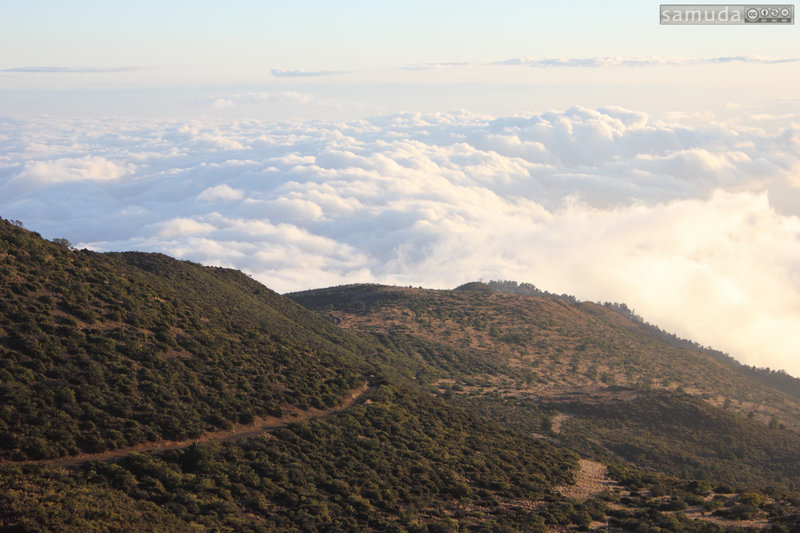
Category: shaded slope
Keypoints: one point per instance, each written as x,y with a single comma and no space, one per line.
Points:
258,428
99,351
682,436
399,461
108,351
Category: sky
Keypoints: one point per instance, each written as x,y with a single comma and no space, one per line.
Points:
581,147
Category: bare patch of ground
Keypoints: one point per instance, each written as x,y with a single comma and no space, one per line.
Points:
557,421
591,479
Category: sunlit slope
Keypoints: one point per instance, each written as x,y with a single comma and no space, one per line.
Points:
581,374
540,345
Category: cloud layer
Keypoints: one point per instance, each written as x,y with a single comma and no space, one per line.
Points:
70,70
286,73
280,97
607,61
637,61
678,221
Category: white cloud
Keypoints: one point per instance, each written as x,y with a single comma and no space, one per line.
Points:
637,61
87,168
692,225
224,193
182,227
293,207
605,61
280,97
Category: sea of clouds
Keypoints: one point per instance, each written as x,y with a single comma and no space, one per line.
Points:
694,226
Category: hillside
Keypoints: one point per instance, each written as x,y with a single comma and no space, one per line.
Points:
549,341
144,393
99,351
621,391
121,360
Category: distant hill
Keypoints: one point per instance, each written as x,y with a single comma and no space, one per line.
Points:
529,357
778,379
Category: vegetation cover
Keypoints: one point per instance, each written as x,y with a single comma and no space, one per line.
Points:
399,461
529,358
478,405
101,351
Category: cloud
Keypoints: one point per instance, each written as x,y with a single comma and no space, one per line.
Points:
681,222
223,193
182,227
284,73
637,61
605,61
71,169
70,70
282,97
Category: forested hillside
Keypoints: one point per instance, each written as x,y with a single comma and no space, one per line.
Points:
106,351
100,351
141,393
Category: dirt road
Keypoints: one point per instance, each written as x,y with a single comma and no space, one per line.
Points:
259,426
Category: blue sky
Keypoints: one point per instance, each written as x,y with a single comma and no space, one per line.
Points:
150,57
578,146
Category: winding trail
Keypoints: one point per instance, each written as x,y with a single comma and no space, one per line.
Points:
260,426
